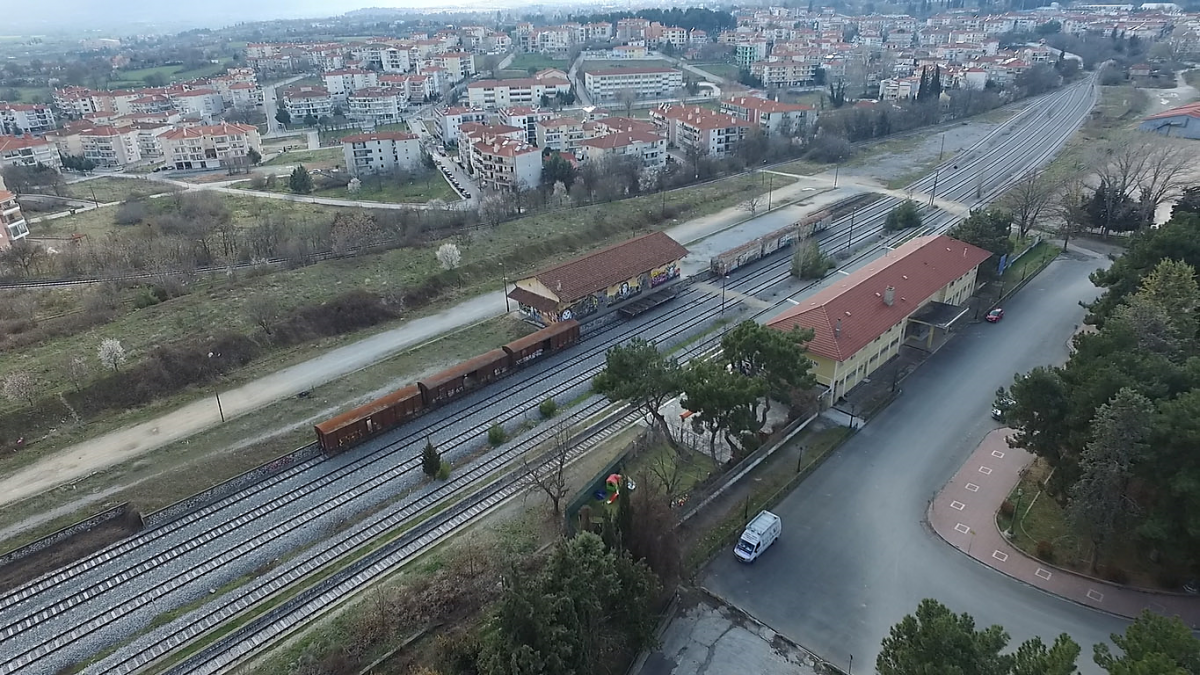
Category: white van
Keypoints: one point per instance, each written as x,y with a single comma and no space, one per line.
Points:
759,535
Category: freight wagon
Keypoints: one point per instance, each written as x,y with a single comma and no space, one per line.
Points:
354,426
767,244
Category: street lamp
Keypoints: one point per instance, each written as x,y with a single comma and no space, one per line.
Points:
770,189
1016,514
836,169
217,392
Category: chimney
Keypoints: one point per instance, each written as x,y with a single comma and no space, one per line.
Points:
558,286
889,295
837,329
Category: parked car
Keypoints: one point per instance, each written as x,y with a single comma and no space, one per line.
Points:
994,315
1001,406
758,536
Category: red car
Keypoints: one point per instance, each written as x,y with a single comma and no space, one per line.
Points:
995,315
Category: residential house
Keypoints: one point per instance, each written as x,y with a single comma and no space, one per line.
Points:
12,223
381,152
506,164
28,151
26,118
701,130
210,146
377,105
650,149
559,133
306,101
773,116
447,121
525,117
342,83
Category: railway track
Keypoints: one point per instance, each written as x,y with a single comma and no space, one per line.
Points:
690,308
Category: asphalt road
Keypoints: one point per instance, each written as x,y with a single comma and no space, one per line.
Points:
856,555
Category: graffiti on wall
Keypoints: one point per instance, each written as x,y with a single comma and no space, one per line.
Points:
585,307
664,274
626,290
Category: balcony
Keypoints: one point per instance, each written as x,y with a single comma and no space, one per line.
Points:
18,230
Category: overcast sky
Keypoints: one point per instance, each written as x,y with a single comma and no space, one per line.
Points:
130,15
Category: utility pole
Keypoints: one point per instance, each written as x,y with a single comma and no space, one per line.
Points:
850,239
770,189
943,148
933,193
836,169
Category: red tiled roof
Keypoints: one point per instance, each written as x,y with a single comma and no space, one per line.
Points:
621,139
379,136
531,299
763,105
1190,110
630,71
582,276
916,270
9,143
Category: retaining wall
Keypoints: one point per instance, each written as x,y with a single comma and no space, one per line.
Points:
222,490
64,534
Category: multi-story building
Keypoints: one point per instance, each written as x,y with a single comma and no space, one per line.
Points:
699,129
210,146
491,94
377,105
774,74
149,138
448,120
471,133
245,95
459,65
507,164
110,147
559,133
301,102
28,151
746,53
198,103
26,118
629,52
648,148
341,83
381,152
73,102
895,88
773,116
12,223
526,118
606,85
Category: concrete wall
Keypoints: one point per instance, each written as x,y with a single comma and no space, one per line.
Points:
217,492
64,534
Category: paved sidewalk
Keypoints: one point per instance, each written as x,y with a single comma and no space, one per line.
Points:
963,514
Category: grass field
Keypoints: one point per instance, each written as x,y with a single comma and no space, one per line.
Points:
1031,262
725,70
137,77
28,94
106,189
418,192
523,62
335,136
324,156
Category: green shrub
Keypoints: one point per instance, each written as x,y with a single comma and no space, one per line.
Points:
443,472
496,435
1116,575
548,408
1045,550
903,217
1007,509
431,461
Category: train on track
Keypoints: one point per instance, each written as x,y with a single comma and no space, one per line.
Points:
383,414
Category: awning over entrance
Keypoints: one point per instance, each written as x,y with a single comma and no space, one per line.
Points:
938,315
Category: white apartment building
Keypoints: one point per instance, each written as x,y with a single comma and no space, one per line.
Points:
300,102
785,73
210,146
381,152
459,65
559,133
448,120
772,116
110,147
492,94
525,118
605,85
12,222
26,118
895,88
746,53
199,103
629,52
649,148
245,95
28,151
149,138
73,102
507,164
341,83
378,105
711,133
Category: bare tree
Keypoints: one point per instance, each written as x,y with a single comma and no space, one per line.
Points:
77,371
550,475
18,386
665,469
22,256
448,256
493,208
111,354
751,204
1164,174
264,311
1029,198
627,97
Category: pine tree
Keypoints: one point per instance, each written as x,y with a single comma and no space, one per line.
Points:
923,89
935,84
300,181
431,461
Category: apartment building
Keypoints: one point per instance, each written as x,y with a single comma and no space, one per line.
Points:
202,104
710,133
12,223
772,116
559,133
606,85
895,88
458,65
785,73
381,152
377,105
149,138
492,94
621,52
245,95
110,147
648,148
525,118
448,120
26,118
301,102
341,83
506,164
28,151
212,146
73,102
747,52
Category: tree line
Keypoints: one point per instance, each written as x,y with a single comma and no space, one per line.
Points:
936,640
1117,422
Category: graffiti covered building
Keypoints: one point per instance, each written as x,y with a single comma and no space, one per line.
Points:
584,286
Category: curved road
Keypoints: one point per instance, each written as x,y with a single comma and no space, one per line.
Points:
856,554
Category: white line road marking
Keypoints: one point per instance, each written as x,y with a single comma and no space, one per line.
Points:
972,487
985,471
958,506
1095,595
1045,574
1000,555
962,528
998,454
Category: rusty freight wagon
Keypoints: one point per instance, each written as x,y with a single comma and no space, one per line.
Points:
545,341
382,414
464,377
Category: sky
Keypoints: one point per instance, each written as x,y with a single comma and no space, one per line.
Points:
128,15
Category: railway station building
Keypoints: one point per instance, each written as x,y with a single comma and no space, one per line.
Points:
593,283
915,293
